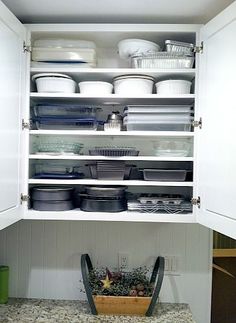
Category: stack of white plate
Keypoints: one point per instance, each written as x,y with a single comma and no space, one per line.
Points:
158,117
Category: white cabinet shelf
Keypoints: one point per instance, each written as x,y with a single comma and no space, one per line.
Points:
108,182
107,74
126,216
113,98
113,134
88,157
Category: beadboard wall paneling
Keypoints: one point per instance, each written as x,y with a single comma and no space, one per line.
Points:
44,257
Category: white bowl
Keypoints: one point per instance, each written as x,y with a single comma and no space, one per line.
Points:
131,47
95,87
173,87
133,85
54,83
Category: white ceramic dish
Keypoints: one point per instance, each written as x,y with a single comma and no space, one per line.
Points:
95,88
130,47
133,85
173,87
54,83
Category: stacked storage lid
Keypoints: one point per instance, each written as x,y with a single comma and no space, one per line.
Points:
158,117
64,51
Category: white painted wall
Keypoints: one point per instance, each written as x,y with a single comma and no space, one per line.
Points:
44,257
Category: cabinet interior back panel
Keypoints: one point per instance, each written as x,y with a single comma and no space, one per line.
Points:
44,257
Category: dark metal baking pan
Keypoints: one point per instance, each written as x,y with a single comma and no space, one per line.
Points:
105,191
52,205
172,175
105,205
51,193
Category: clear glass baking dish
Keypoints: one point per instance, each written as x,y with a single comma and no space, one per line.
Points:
64,110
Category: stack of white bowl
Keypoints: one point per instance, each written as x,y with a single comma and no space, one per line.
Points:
158,117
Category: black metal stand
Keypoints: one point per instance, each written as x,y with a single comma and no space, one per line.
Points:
156,278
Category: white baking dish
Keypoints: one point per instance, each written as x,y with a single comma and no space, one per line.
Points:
95,88
173,87
54,83
133,84
130,47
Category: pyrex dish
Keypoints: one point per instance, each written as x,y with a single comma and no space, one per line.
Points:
58,176
64,110
52,205
54,83
173,87
133,84
61,123
52,193
57,147
176,147
113,151
162,60
171,175
93,88
132,46
56,171
141,109
103,205
173,46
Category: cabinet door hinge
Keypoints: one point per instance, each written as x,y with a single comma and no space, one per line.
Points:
25,124
196,201
26,48
24,198
199,49
197,123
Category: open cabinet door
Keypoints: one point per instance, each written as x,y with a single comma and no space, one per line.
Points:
216,141
12,95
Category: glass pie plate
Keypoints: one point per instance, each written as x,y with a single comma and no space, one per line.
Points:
58,148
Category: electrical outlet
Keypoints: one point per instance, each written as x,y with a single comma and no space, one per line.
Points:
123,261
172,265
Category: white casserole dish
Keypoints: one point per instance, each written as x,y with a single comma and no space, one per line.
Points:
133,46
95,88
54,83
173,87
133,84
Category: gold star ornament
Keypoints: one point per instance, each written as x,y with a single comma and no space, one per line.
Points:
106,282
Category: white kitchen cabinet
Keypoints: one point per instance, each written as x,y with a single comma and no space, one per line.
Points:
214,146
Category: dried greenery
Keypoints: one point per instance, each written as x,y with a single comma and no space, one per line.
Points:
132,283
